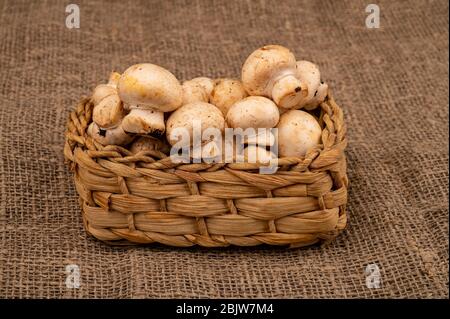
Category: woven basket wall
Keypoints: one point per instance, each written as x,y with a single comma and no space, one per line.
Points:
145,198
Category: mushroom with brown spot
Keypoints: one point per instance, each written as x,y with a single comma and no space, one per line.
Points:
112,136
197,90
148,90
226,92
107,115
309,73
270,71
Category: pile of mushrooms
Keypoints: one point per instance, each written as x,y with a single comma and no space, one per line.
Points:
144,107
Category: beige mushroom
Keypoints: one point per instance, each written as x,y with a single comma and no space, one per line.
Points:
271,71
148,90
319,96
253,112
309,73
182,121
257,113
144,121
298,132
227,92
113,136
103,90
109,112
148,143
197,90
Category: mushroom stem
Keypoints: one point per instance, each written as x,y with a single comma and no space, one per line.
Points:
144,121
288,91
111,136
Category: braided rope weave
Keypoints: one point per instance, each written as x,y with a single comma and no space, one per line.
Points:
145,198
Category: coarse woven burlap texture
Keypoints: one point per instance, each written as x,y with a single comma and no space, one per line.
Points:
392,83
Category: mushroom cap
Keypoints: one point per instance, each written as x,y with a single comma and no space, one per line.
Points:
151,87
205,82
108,112
197,90
101,91
253,112
184,117
263,66
114,136
298,132
226,92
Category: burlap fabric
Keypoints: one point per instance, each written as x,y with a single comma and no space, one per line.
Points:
392,83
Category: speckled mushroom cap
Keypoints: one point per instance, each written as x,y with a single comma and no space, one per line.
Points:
108,112
253,112
298,132
197,90
227,92
150,87
271,71
261,66
209,115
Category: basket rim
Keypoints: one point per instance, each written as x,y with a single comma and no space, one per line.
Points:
326,154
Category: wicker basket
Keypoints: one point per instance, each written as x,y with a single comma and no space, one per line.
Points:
145,198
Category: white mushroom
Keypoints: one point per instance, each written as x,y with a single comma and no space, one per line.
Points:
183,121
114,136
148,90
253,112
109,112
227,92
257,113
271,71
103,90
309,73
144,121
319,96
298,132
197,90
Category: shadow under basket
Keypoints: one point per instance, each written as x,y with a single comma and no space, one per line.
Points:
146,198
